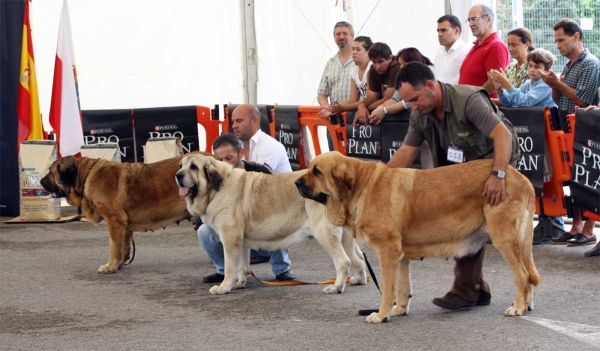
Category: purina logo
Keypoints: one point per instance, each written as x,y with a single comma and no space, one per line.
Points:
594,144
521,129
166,127
101,131
285,126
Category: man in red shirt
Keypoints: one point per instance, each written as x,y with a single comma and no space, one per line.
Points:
488,52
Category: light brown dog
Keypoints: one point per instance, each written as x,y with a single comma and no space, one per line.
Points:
408,214
127,196
261,211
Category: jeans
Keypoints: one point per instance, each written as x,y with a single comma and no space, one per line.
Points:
559,222
280,260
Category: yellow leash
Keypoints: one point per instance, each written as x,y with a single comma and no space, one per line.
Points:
297,282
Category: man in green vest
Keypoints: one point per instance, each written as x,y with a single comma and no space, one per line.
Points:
460,123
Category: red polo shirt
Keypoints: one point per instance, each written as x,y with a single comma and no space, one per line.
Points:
491,54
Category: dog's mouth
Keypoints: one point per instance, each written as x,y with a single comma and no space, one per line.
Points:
188,191
59,193
305,193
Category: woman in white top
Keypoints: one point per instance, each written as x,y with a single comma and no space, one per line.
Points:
358,88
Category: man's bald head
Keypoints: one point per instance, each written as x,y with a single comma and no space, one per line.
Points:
246,121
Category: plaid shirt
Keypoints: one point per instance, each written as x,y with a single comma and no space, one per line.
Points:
335,81
584,76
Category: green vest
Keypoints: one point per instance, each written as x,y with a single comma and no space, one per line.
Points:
462,134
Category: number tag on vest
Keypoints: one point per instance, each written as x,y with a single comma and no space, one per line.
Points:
455,155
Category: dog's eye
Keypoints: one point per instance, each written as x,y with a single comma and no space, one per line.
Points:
179,165
316,171
193,167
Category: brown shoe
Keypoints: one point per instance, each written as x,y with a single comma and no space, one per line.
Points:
453,302
579,240
562,240
595,251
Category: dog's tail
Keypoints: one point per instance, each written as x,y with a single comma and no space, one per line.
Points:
527,244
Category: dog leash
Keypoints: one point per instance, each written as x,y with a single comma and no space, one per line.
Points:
132,252
374,277
296,282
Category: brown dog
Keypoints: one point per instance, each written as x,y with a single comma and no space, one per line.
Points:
408,214
127,196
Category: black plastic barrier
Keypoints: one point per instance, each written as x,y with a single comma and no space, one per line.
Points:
287,132
585,174
110,126
529,124
163,122
364,142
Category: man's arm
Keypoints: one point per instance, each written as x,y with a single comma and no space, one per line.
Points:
404,157
389,92
496,58
559,88
323,99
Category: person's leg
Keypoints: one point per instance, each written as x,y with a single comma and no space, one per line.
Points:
280,260
559,222
585,237
212,245
469,288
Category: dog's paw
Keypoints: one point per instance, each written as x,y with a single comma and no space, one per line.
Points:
217,290
399,310
375,317
240,284
357,281
106,269
513,311
333,289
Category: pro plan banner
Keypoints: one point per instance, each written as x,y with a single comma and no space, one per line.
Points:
394,129
585,175
530,125
160,122
287,132
110,126
364,142
265,117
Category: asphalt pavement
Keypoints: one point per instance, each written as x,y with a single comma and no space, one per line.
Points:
51,298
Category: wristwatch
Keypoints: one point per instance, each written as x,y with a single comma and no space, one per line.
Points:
499,174
385,110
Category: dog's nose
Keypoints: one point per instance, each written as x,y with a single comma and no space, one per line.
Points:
179,176
300,182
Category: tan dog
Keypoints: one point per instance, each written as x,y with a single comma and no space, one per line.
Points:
407,214
127,196
261,211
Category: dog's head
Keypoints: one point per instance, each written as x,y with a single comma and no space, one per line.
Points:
62,179
198,175
330,180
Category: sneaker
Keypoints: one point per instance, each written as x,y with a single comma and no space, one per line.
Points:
258,259
579,240
562,240
289,275
213,278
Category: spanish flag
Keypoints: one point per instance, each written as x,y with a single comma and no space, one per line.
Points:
28,101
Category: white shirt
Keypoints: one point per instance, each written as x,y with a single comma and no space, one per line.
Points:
361,83
265,149
447,63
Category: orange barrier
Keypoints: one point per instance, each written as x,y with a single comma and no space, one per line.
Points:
209,119
307,117
560,146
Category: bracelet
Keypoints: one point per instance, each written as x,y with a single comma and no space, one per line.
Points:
385,110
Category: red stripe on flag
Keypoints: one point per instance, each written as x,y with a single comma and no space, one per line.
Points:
56,98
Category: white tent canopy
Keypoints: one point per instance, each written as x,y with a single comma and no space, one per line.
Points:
186,52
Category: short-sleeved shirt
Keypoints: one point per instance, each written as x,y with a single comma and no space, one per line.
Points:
379,83
335,81
491,54
361,82
479,112
517,76
447,63
265,149
584,76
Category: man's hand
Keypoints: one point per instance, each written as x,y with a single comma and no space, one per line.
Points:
377,115
499,79
325,113
550,78
591,107
360,118
336,108
494,190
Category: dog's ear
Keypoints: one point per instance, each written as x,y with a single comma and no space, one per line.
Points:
67,171
213,176
340,186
